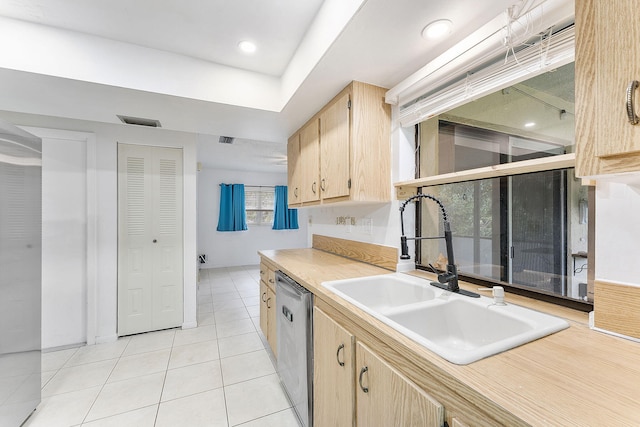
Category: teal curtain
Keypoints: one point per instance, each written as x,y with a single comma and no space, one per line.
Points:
232,216
239,213
283,217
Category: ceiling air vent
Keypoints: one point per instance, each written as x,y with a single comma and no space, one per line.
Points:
138,121
226,140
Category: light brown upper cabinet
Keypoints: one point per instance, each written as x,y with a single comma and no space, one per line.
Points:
303,165
607,65
343,153
334,134
310,162
293,170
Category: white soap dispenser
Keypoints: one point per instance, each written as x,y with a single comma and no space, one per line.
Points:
498,294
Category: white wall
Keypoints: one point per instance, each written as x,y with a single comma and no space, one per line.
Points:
225,249
101,322
618,229
374,223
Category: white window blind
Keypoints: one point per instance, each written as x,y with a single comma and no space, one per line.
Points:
548,53
259,204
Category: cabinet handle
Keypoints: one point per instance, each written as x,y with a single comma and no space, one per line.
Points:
322,186
295,192
271,281
631,108
340,347
268,299
313,187
264,297
362,372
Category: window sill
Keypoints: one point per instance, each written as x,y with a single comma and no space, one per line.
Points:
406,189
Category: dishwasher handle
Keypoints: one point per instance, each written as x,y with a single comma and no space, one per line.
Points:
287,313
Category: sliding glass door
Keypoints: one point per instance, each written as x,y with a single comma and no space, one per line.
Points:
510,229
536,218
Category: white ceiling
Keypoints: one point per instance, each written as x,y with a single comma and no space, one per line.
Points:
203,29
177,61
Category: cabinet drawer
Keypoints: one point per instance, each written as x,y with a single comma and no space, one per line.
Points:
268,275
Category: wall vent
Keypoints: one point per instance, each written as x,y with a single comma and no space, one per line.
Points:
226,140
139,121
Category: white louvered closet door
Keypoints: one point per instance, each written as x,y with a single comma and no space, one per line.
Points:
150,247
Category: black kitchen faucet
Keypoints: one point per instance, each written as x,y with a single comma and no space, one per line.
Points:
448,279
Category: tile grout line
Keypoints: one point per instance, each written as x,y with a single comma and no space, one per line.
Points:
224,392
105,383
264,416
164,379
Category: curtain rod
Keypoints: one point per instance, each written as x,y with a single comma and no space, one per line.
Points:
260,186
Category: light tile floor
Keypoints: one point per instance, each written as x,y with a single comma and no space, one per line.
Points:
218,374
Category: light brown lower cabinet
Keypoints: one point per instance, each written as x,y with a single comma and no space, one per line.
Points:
457,423
333,372
268,315
354,386
386,398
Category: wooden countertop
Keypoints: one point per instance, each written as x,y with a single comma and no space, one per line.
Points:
576,377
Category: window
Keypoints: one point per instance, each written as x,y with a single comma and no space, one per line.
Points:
522,230
527,231
259,205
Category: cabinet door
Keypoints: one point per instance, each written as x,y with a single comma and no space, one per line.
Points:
333,381
607,60
618,62
263,309
310,161
293,170
335,149
271,321
386,398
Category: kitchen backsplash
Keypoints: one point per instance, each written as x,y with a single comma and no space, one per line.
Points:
618,229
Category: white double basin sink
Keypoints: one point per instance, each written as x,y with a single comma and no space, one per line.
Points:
458,328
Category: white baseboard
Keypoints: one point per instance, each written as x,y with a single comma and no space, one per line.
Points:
106,339
63,347
189,325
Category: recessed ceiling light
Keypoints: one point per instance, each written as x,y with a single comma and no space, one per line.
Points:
529,125
246,46
437,29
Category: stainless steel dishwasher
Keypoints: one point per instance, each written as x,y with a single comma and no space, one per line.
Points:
295,345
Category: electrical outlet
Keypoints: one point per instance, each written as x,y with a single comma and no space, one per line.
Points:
366,226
